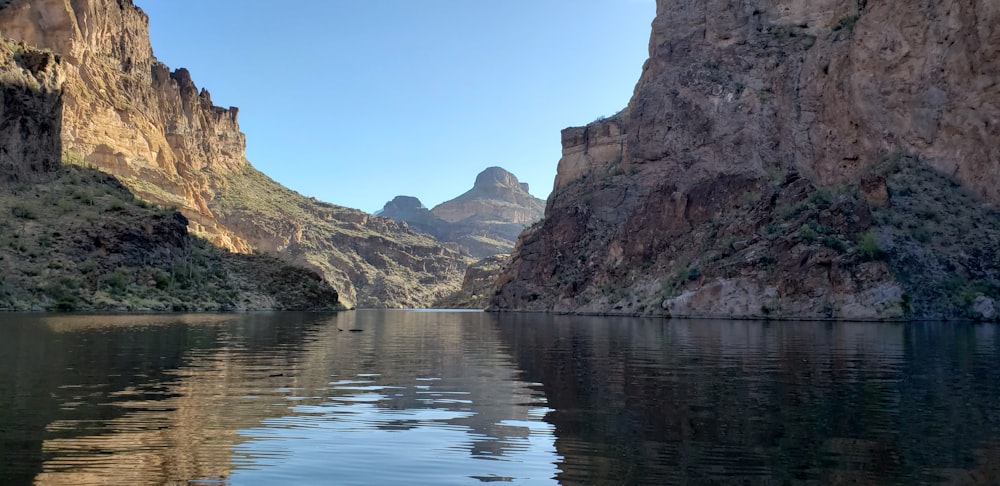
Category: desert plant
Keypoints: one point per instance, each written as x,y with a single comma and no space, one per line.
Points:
23,212
869,248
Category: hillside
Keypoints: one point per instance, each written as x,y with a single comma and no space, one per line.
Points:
126,114
73,238
833,159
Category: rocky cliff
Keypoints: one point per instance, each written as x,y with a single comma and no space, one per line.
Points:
485,220
30,113
129,115
73,238
477,286
830,159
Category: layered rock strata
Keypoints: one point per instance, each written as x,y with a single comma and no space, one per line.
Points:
782,158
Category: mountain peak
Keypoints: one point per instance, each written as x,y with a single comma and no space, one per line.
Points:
403,203
498,177
486,219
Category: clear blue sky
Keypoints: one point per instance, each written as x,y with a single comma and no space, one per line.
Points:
356,101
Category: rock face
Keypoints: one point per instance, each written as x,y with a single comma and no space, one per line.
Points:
30,113
76,239
778,158
477,286
129,115
485,220
496,196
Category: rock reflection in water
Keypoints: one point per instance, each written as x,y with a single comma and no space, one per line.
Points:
736,402
466,398
266,397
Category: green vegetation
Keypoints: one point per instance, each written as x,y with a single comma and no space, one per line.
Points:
82,242
939,242
869,248
387,265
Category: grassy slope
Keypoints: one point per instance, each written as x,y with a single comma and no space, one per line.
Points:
374,261
83,242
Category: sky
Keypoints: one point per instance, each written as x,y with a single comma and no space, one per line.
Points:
354,102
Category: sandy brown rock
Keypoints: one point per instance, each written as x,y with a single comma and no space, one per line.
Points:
127,114
498,196
748,175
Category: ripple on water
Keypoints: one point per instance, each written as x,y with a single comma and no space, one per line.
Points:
433,398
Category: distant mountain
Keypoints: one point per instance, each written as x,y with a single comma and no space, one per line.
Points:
486,220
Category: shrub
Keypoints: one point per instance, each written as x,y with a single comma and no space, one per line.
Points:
66,304
833,243
807,233
162,280
869,248
23,212
116,281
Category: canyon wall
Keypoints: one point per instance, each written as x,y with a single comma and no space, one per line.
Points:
30,114
129,115
784,158
75,239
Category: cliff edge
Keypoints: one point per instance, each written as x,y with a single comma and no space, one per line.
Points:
784,158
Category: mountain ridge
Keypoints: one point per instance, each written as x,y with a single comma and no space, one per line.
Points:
485,220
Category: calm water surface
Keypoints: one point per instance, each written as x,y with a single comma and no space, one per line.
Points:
409,397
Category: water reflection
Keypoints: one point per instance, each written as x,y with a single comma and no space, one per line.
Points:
731,402
386,397
416,398
266,398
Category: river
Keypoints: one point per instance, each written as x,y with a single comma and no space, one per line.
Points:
436,398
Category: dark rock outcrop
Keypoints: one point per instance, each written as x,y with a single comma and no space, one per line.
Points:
413,212
477,286
30,113
783,158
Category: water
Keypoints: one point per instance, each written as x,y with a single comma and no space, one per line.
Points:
466,398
